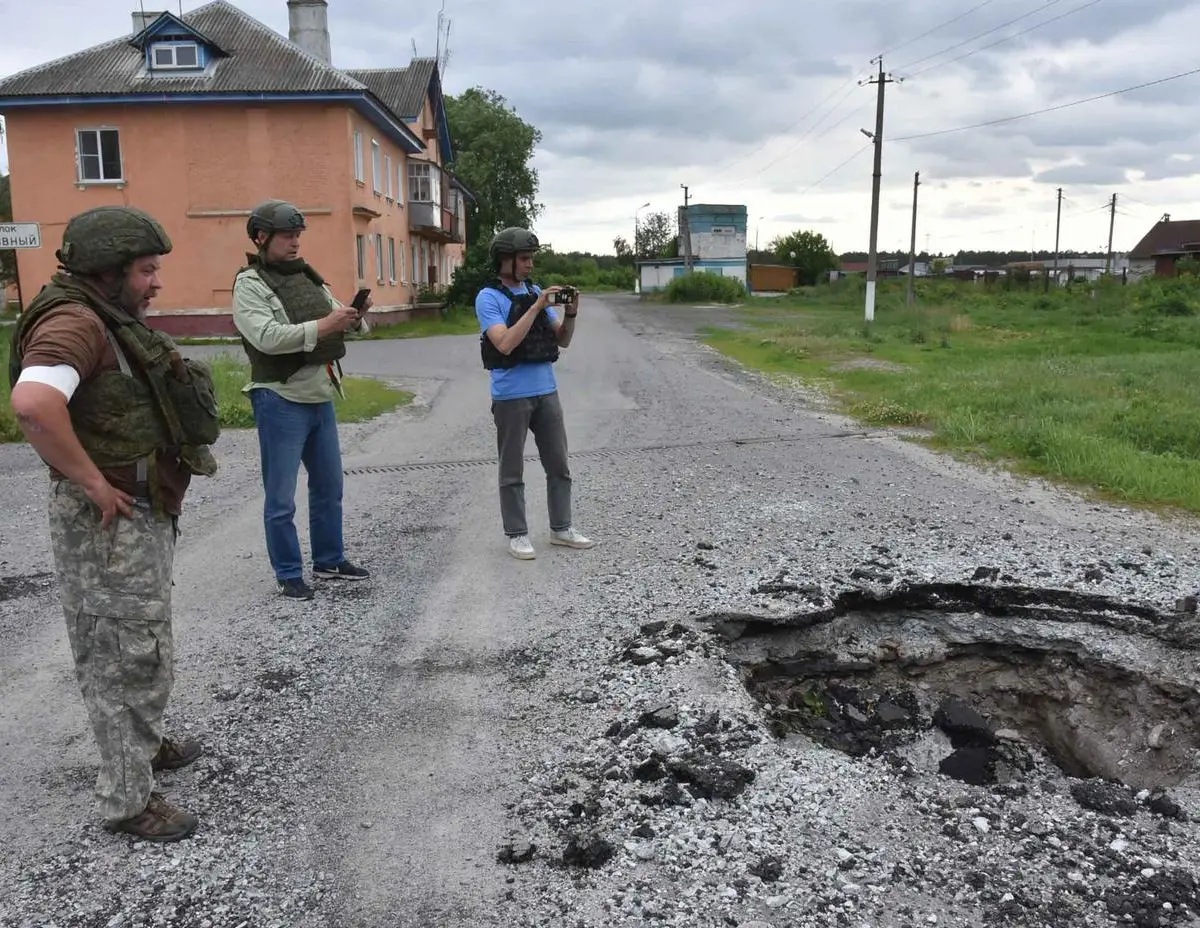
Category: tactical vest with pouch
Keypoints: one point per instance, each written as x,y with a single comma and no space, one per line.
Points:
301,290
157,401
540,345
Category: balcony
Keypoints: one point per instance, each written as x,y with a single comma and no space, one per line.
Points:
435,223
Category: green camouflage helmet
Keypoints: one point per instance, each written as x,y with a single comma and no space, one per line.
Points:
512,240
109,238
274,216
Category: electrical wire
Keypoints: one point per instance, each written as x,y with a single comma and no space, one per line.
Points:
1048,109
980,35
896,48
843,164
1009,38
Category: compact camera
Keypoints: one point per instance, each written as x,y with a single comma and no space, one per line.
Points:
563,296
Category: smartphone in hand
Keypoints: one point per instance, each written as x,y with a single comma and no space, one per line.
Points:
360,299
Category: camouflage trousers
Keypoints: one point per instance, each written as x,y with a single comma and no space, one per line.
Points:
115,587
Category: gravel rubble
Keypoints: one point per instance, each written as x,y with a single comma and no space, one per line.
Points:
643,783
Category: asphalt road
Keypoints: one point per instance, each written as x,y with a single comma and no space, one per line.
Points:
365,750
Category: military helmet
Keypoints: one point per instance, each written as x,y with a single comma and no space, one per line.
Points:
512,240
274,216
109,238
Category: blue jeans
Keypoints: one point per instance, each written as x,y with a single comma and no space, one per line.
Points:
290,434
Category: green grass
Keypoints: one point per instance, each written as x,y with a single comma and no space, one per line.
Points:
1099,391
458,321
365,399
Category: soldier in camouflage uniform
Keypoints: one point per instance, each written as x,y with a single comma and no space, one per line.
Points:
123,422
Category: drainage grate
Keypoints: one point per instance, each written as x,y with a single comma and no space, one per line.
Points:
600,453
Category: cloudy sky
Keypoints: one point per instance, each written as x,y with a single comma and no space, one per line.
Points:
757,103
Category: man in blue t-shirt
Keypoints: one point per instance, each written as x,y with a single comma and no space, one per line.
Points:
520,341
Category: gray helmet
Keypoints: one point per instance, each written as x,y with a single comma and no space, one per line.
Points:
274,216
109,238
512,240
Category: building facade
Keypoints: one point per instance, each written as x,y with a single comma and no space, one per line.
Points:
198,118
717,236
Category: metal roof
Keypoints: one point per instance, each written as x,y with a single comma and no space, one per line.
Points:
256,59
402,90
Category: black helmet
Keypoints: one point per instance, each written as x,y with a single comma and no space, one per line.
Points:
274,216
512,240
109,238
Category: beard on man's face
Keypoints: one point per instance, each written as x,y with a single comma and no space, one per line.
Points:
133,300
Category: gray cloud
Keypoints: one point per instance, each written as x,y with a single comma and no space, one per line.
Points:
633,100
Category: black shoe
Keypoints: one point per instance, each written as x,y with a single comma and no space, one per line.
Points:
295,588
343,571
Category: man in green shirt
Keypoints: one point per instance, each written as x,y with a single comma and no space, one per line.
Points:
293,330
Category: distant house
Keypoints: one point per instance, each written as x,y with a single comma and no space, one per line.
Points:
1159,250
1071,269
884,267
196,118
718,246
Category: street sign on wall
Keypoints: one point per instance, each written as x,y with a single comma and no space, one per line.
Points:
20,235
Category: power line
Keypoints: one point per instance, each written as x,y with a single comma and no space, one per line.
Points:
802,140
1008,38
980,35
1048,109
788,128
896,48
818,183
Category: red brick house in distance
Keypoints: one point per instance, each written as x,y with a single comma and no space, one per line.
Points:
196,118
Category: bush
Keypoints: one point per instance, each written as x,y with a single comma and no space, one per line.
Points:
703,287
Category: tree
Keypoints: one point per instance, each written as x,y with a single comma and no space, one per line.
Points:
808,253
8,257
654,235
622,250
492,150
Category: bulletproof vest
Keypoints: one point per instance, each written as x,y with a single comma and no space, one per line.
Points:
540,345
156,402
301,290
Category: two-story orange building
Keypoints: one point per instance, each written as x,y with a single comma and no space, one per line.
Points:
197,118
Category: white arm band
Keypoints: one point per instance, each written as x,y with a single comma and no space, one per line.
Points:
63,377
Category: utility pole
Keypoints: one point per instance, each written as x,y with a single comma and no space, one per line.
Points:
1112,219
685,232
1057,229
877,138
912,248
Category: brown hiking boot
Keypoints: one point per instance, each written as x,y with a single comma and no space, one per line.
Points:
159,821
175,754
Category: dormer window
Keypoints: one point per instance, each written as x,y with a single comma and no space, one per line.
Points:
174,56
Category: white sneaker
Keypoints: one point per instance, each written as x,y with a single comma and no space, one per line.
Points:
520,547
571,539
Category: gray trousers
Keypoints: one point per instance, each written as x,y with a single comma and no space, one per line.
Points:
543,416
115,587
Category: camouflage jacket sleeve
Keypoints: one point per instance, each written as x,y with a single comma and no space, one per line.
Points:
261,320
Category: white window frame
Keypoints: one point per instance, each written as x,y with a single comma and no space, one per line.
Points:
387,173
359,166
401,181
391,259
376,166
360,244
400,253
174,47
416,265
379,275
98,132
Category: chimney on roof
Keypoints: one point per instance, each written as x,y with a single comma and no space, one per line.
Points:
142,19
308,27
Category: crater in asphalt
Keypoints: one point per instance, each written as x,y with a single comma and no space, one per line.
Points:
982,683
